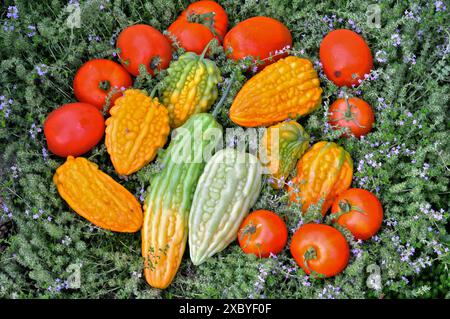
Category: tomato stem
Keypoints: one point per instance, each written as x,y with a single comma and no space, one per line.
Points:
104,85
206,49
310,254
153,92
248,231
346,207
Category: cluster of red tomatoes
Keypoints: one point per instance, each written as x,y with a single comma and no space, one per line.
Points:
315,247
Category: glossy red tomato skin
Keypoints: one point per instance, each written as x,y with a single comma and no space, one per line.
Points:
331,247
251,38
362,226
192,37
87,81
344,53
362,116
203,7
73,129
141,44
270,235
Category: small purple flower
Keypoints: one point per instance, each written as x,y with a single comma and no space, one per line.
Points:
396,40
34,130
32,32
7,211
440,6
8,26
13,13
41,69
44,153
381,56
74,3
142,194
94,38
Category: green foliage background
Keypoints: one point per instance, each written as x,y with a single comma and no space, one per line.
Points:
404,160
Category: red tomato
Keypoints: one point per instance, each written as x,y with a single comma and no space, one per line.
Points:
196,10
320,248
344,53
192,37
73,129
258,37
96,78
262,232
357,115
362,212
143,44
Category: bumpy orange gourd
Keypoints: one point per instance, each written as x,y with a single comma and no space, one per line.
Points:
97,197
137,128
286,89
281,147
325,171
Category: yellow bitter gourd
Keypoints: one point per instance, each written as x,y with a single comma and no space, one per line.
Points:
137,129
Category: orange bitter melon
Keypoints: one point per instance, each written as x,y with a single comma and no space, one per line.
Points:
286,89
97,197
323,172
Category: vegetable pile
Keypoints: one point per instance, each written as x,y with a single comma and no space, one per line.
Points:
321,120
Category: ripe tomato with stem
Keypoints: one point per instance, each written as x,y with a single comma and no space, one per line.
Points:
96,79
321,249
353,113
143,44
262,233
359,211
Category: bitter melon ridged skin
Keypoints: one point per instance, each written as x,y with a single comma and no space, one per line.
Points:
137,129
285,89
97,197
190,87
227,189
165,228
282,145
325,171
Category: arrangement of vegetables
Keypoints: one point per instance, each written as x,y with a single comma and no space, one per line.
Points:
207,201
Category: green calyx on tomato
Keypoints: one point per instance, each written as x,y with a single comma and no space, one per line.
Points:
104,85
262,233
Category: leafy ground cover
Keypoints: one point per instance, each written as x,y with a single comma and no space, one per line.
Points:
404,160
